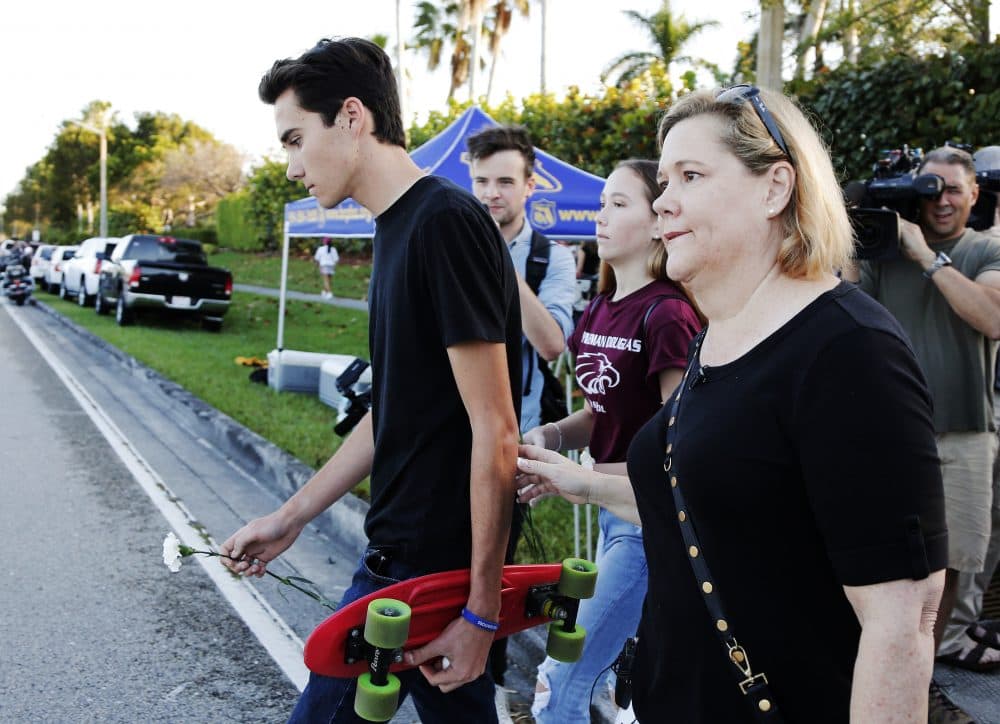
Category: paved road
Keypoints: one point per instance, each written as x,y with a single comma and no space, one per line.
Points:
94,627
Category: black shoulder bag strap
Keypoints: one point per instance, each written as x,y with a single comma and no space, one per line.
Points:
535,268
538,261
752,685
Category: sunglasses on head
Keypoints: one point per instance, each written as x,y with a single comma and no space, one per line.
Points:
737,94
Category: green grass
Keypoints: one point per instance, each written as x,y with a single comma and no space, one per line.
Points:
350,280
203,363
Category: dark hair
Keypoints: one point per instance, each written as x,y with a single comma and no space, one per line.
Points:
503,138
335,70
951,156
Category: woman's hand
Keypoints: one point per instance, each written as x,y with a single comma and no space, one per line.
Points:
537,436
545,473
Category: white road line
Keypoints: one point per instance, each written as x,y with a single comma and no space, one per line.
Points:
280,641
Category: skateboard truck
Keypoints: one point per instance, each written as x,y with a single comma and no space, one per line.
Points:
560,602
546,601
358,649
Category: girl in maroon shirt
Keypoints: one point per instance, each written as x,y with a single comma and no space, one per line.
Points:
630,348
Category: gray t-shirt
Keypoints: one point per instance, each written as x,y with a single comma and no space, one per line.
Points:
957,359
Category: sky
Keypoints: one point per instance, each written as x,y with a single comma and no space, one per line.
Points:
203,59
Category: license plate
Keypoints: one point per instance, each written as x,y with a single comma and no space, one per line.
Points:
182,301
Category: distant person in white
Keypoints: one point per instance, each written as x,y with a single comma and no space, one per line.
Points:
327,257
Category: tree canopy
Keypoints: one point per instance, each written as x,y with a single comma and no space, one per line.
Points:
165,168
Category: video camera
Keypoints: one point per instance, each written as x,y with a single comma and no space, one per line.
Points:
355,386
896,190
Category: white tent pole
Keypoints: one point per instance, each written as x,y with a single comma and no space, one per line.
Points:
283,290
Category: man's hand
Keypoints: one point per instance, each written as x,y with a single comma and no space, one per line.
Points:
914,245
252,547
466,649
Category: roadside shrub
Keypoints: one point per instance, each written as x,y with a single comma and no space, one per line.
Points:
234,227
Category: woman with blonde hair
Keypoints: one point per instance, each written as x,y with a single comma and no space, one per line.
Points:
789,491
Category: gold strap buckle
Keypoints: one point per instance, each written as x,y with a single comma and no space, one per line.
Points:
738,655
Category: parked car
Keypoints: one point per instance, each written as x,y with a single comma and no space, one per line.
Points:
82,273
40,261
54,274
161,272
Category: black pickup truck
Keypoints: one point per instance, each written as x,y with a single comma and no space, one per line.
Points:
160,272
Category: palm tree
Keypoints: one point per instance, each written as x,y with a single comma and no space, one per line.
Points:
497,25
434,30
669,33
460,24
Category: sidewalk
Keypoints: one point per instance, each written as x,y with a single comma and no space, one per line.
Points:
303,296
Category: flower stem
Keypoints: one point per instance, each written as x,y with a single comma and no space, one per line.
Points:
188,551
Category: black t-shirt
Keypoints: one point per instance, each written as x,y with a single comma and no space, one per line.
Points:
807,464
441,275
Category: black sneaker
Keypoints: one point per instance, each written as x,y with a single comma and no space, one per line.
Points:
942,710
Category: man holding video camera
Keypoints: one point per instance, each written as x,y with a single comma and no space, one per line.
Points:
944,288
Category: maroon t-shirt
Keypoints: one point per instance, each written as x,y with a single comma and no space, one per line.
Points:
618,360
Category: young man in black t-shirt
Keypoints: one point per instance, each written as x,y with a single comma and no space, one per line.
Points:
440,442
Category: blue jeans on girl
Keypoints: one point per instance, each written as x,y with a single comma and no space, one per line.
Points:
610,617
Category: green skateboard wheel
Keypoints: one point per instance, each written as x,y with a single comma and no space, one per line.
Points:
387,624
376,703
578,578
565,646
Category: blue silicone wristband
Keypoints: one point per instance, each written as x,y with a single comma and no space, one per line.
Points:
478,622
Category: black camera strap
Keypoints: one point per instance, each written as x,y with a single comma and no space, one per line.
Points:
753,686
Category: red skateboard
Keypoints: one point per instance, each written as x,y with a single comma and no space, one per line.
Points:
367,638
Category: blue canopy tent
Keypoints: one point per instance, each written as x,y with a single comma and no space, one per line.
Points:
563,206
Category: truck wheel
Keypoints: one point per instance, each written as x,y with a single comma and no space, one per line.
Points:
63,294
100,304
123,315
81,296
212,324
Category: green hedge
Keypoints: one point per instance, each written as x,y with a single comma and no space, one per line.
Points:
863,111
235,229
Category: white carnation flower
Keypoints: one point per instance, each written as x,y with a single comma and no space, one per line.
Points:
172,553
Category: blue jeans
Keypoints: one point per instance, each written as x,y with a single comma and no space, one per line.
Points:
610,617
329,700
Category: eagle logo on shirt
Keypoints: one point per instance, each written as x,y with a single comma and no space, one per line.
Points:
595,373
